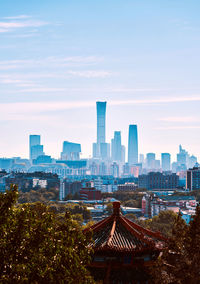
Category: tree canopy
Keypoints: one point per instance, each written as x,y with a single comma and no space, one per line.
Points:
35,247
180,262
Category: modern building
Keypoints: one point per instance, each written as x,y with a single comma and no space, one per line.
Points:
35,148
123,152
166,161
71,151
193,179
133,145
36,151
157,180
101,129
150,160
105,151
182,157
116,147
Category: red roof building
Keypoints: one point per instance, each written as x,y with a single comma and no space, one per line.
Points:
123,250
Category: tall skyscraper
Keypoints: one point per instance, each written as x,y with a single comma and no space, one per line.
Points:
35,149
101,122
166,161
117,147
133,145
100,148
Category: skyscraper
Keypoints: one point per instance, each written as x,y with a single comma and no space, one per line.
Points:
117,147
166,161
133,145
34,152
150,160
101,122
71,151
101,131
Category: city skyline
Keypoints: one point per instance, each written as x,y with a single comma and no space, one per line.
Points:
58,58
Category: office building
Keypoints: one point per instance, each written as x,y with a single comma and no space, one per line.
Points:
36,151
192,161
193,179
105,151
123,154
156,180
101,126
133,145
71,151
182,157
116,147
166,161
34,140
150,160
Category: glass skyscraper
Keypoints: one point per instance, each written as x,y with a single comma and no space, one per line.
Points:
165,161
34,140
101,127
133,145
101,122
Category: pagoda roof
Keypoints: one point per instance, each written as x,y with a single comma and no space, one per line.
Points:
118,233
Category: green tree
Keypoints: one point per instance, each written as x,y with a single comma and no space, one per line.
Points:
179,263
35,247
163,222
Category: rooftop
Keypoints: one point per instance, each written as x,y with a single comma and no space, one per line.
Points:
117,233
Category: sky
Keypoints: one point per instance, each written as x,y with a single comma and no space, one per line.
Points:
57,58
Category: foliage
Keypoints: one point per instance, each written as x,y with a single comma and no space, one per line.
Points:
131,217
42,195
163,222
180,262
35,247
132,203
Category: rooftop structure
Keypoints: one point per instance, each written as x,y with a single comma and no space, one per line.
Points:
122,249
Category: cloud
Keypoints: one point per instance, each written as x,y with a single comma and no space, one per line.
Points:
51,62
19,17
90,73
37,107
9,26
179,119
182,127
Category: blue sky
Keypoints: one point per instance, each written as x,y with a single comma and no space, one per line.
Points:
57,58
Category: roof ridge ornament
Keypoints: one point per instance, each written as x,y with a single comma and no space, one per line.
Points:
116,208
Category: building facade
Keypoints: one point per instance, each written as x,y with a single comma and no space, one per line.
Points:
133,145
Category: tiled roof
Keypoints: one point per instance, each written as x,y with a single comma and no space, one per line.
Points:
117,233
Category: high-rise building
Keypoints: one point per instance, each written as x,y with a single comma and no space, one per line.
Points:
33,141
71,151
133,145
36,151
101,124
182,156
35,148
150,160
123,152
166,161
193,179
117,147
